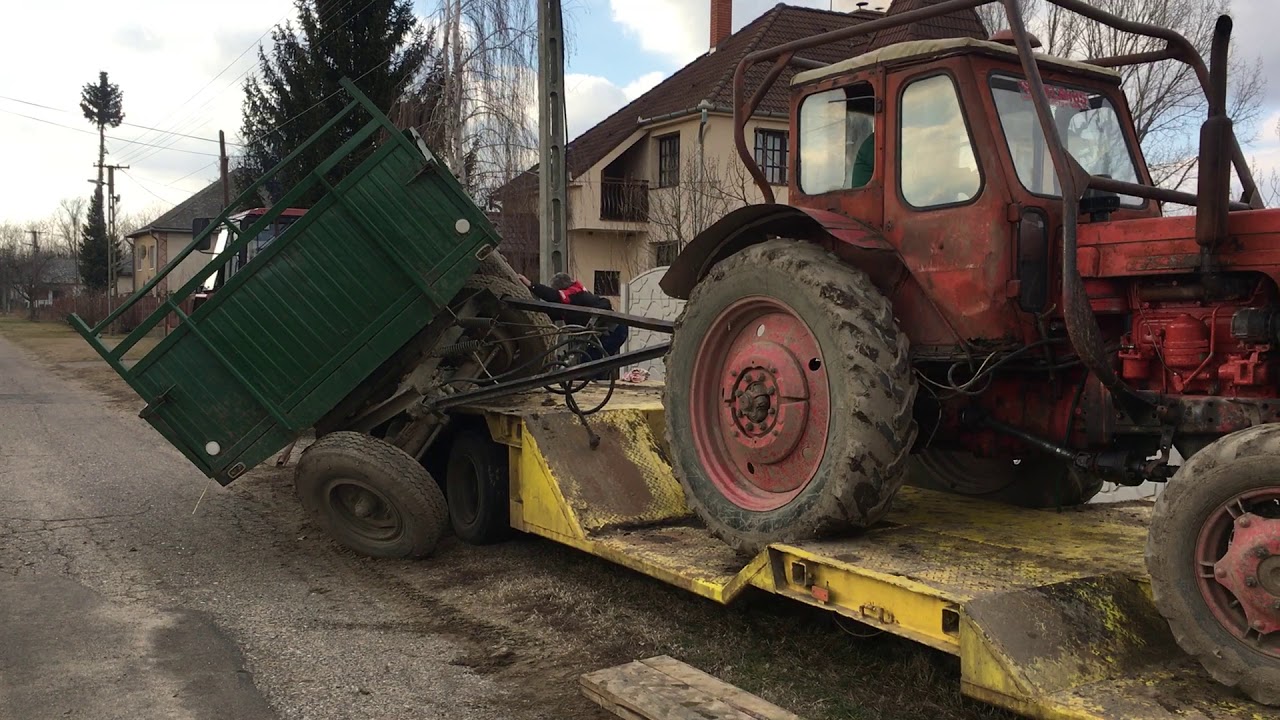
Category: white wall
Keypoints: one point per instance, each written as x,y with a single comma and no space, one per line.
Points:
642,296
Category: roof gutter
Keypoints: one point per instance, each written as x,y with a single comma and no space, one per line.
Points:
708,107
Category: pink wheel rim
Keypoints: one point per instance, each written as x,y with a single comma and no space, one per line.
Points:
1238,568
760,404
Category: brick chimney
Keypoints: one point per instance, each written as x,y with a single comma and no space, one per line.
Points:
721,21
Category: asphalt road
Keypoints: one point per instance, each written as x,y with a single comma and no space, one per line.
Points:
123,594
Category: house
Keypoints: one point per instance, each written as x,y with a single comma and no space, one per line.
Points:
166,236
646,179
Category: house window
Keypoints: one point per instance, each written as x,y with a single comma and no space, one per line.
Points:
771,155
664,253
669,160
607,282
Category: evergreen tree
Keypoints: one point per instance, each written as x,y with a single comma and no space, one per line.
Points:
92,251
103,105
380,46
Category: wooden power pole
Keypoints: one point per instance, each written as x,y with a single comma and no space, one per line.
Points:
553,245
223,171
112,199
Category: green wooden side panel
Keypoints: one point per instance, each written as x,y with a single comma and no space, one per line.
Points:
315,314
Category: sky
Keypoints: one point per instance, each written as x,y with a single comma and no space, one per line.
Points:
181,66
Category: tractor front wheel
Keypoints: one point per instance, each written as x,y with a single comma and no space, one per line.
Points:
1214,557
788,397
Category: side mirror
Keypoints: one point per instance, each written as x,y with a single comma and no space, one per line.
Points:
197,226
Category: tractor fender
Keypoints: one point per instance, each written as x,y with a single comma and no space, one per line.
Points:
754,224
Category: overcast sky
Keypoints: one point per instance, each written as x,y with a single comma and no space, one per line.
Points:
181,65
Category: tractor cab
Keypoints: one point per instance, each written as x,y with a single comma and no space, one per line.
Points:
936,147
219,241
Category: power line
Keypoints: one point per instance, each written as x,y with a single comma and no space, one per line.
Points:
144,187
109,137
125,124
195,115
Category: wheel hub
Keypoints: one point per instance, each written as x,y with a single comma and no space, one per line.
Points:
1250,570
760,403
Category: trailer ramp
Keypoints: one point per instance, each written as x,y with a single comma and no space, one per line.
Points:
1048,611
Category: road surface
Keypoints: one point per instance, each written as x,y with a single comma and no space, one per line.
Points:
123,594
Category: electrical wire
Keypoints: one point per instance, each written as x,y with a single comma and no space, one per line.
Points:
109,137
123,124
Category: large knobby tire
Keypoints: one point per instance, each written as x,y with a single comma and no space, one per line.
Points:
788,397
1032,482
478,489
1214,557
371,496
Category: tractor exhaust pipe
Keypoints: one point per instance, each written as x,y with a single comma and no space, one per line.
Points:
1216,149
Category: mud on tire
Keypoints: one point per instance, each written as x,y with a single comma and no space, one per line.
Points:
870,428
478,489
371,496
1238,463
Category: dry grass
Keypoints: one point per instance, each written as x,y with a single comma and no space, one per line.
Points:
69,355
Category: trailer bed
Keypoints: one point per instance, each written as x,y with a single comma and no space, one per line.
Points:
1048,611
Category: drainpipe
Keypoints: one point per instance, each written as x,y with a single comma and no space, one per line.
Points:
704,109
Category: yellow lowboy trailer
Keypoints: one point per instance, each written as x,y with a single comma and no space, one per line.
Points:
1049,612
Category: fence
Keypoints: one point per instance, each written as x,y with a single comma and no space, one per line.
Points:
92,308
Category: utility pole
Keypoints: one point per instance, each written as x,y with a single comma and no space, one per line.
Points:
222,170
111,201
553,245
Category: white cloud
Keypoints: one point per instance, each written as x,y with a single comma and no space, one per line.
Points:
643,84
680,30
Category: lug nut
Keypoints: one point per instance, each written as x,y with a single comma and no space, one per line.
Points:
1275,605
1244,522
1251,581
1257,625
751,426
1220,572
1261,553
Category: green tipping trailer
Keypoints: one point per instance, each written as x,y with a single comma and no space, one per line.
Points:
318,311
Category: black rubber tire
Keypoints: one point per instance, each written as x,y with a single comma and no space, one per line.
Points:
478,489
400,484
1238,462
1035,482
537,332
871,385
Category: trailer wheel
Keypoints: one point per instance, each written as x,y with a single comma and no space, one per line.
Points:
371,496
788,397
478,489
1213,552
1033,482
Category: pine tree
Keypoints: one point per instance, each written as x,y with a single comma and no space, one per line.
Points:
103,105
92,250
380,46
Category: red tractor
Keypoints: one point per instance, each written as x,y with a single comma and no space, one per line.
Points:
974,287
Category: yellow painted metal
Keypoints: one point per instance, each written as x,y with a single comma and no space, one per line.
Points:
1048,612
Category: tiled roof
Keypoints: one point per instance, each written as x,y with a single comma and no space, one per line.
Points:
206,203
952,25
710,76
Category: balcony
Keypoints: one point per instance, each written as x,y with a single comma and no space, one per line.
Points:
624,200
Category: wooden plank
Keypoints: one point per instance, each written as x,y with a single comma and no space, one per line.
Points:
756,707
663,688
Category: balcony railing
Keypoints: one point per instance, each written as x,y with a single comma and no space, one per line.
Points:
624,200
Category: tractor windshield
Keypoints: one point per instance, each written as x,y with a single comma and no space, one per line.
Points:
237,261
1086,121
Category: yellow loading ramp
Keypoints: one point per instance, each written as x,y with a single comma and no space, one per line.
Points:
1049,612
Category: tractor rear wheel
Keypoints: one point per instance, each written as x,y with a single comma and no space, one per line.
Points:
788,398
1213,552
1033,482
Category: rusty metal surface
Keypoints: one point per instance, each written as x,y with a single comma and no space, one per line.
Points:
625,481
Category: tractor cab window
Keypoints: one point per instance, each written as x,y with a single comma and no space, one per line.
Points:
837,139
939,166
1086,121
247,253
